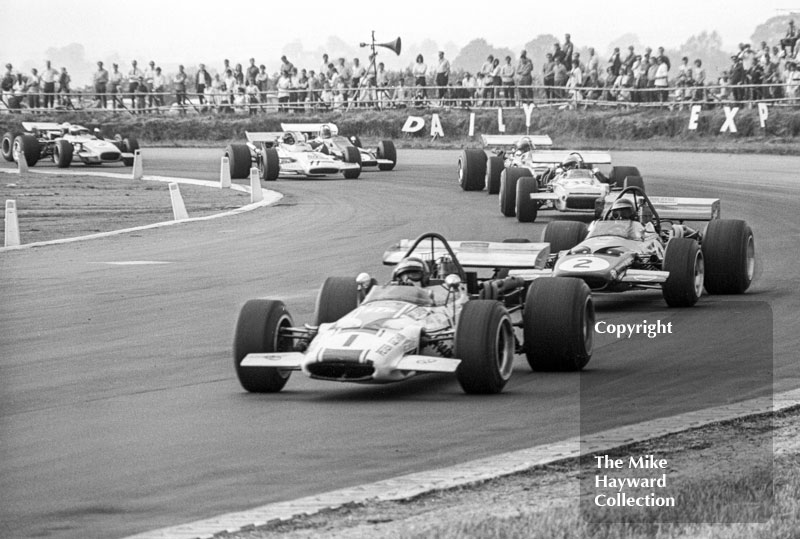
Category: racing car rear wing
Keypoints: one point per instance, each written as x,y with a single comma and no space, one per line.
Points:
42,126
680,208
476,254
508,140
556,157
313,129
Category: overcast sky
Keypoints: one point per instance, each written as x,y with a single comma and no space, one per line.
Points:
182,31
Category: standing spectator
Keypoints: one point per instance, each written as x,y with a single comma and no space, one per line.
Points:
648,52
358,81
561,77
772,76
202,80
639,70
481,89
593,66
262,82
115,82
9,77
569,51
238,74
382,82
507,73
149,74
229,85
443,76
756,77
698,78
251,90
558,54
344,81
142,90
663,56
180,89
615,63
486,83
608,84
159,88
215,92
63,88
788,43
737,79
34,88
284,85
792,76
252,71
313,90
100,80
684,80
661,79
497,83
549,76
323,68
525,74
575,80
652,70
49,77
301,89
470,85
628,61
286,65
419,71
226,65
18,91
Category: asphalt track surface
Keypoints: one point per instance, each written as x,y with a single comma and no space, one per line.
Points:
120,411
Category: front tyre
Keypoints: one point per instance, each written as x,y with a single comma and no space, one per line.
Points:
494,167
683,259
484,342
239,160
527,209
730,256
258,330
558,324
337,297
62,153
27,147
386,150
270,164
563,235
8,145
508,189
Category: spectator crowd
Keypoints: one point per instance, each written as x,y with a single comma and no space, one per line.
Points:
565,78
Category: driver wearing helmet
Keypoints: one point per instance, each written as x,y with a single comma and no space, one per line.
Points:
523,146
323,141
412,271
289,139
624,210
325,132
572,162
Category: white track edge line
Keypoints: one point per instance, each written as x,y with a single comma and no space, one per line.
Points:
270,197
469,473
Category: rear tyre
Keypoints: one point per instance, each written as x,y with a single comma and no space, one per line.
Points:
239,160
563,235
618,175
27,146
351,154
484,342
527,209
633,181
130,144
386,150
730,257
494,167
558,324
270,164
337,297
8,145
683,259
508,189
62,153
472,170
258,330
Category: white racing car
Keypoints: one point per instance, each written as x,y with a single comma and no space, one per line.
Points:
476,170
288,153
66,143
436,315
325,137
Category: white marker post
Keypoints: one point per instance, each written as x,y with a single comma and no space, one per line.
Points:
224,173
501,127
22,163
472,124
255,186
138,169
178,207
12,224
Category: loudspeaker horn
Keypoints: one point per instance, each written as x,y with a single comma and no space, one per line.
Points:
392,45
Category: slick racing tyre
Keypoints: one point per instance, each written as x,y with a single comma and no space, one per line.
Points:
27,146
270,165
494,167
730,256
472,169
258,330
484,342
508,189
563,235
386,150
337,297
683,259
618,175
239,160
558,324
352,155
633,181
62,153
527,210
8,145
130,145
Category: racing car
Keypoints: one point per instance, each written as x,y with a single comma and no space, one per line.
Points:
436,315
289,153
570,181
326,137
476,170
641,242
65,143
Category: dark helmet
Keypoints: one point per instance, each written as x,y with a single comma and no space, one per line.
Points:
524,145
288,138
622,209
410,270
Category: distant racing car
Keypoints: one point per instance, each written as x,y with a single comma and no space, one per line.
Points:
436,315
640,242
289,153
66,143
476,170
325,136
